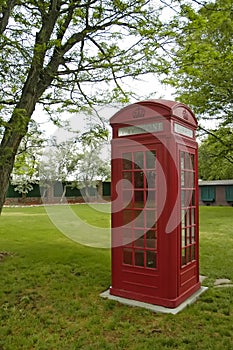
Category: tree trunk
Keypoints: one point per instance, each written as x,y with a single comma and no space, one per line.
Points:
15,130
63,194
5,171
4,181
8,150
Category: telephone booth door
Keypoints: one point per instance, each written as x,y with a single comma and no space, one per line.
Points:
135,240
188,228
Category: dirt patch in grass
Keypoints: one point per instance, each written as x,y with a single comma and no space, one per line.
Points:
3,255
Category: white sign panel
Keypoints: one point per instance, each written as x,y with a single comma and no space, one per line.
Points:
140,129
183,130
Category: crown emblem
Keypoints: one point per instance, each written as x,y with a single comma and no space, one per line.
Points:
139,112
185,114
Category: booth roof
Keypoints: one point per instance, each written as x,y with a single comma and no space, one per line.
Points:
163,108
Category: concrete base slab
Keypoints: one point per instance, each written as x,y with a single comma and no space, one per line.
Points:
202,278
155,308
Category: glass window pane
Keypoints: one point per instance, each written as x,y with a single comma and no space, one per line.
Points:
182,179
150,259
127,199
192,180
138,160
127,237
193,198
150,178
189,213
192,160
189,179
189,235
182,160
188,254
193,216
150,159
139,218
138,199
127,216
151,239
183,198
193,252
127,161
193,234
139,257
187,161
183,237
139,179
150,202
138,233
183,218
127,256
139,238
150,218
189,198
183,257
127,176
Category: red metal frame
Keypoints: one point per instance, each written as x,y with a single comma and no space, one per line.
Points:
155,261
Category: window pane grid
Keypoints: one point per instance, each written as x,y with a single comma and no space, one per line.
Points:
139,213
188,207
144,258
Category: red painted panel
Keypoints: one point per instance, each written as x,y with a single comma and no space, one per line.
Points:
188,273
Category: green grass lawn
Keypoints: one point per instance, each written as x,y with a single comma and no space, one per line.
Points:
50,286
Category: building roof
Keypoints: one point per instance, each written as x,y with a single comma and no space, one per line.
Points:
215,182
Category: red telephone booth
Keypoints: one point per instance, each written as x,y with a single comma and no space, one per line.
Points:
155,256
